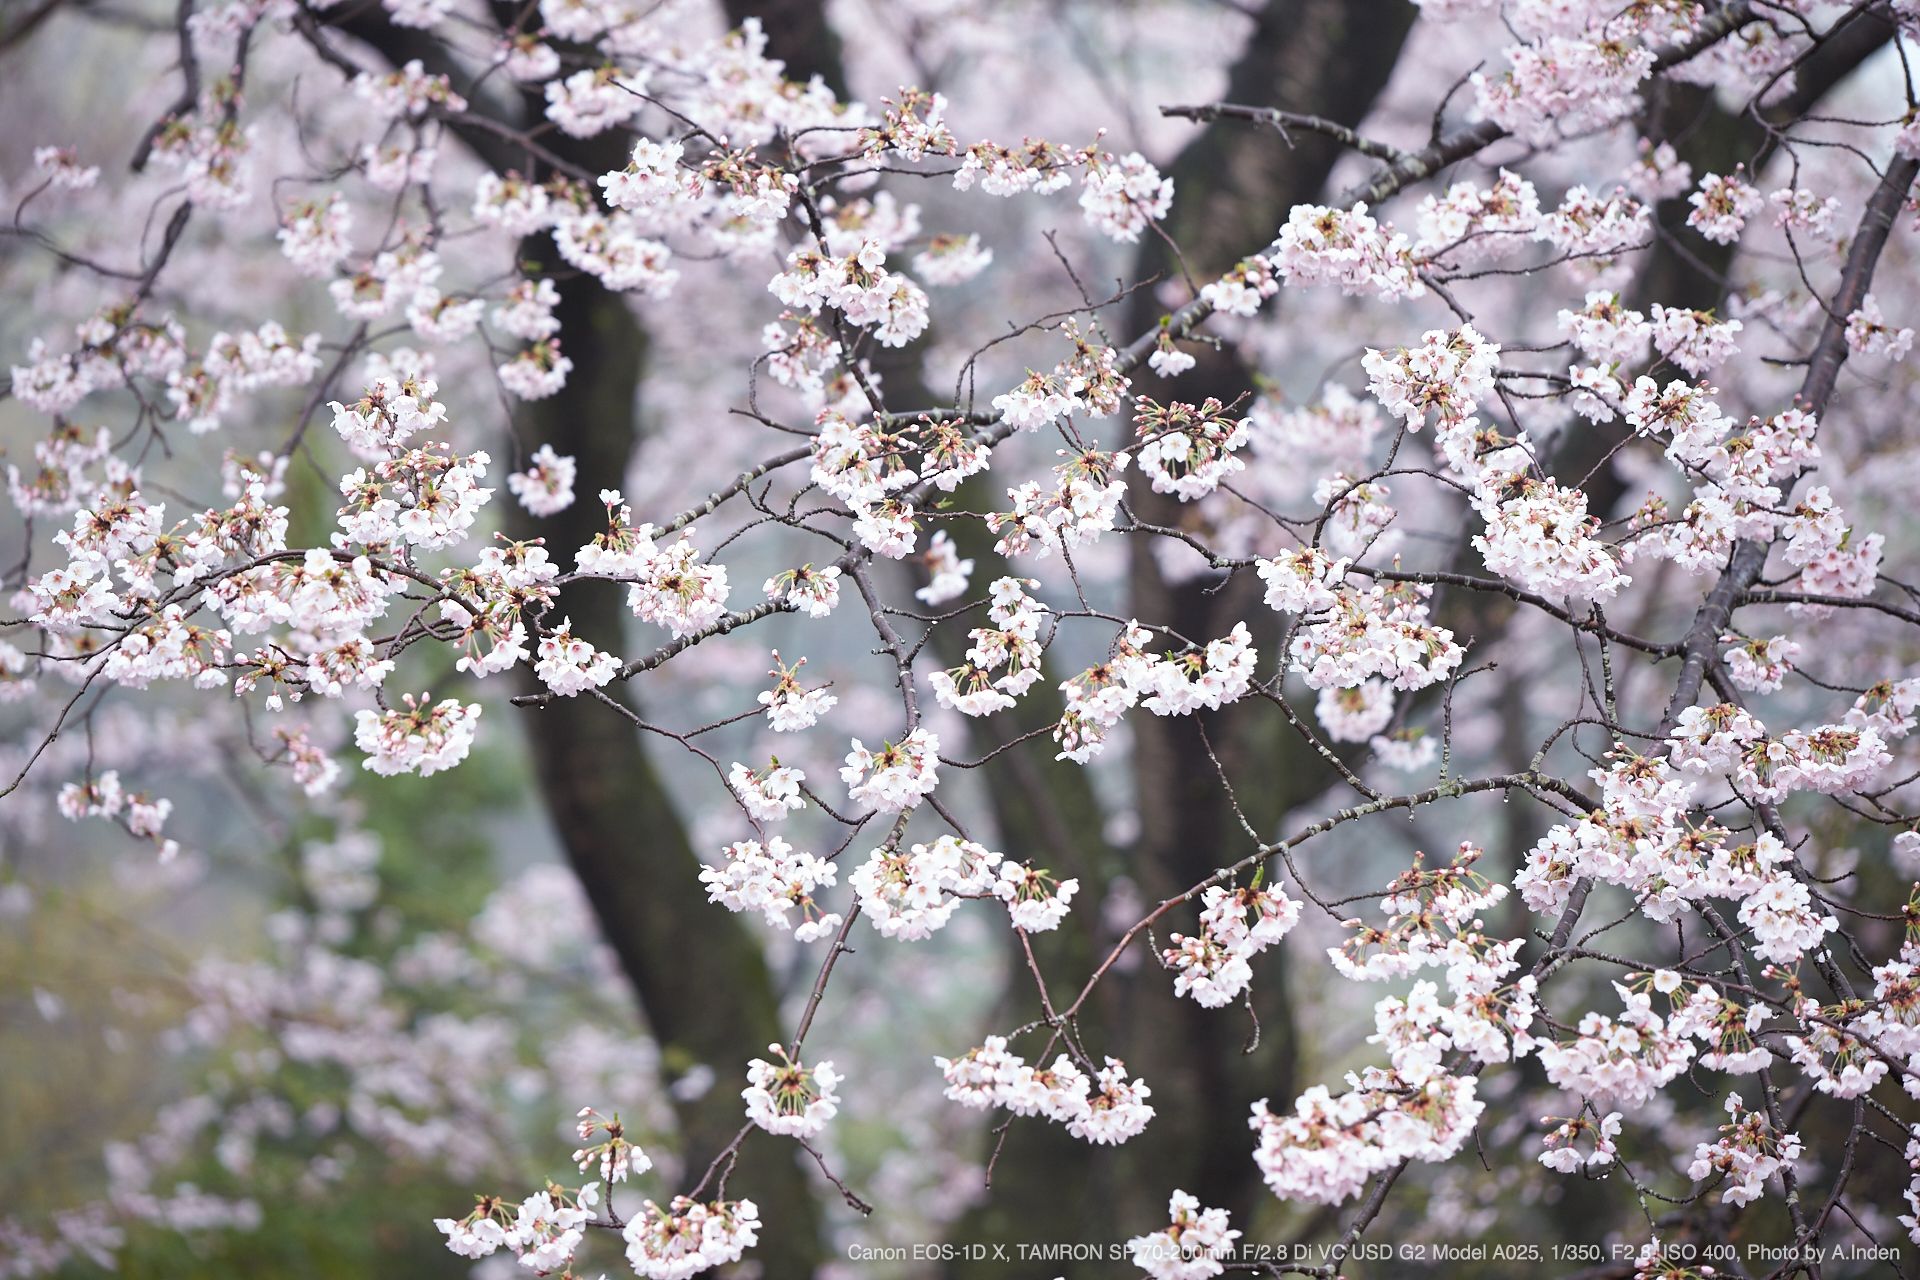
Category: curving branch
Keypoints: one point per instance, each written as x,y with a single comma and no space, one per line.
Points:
1283,120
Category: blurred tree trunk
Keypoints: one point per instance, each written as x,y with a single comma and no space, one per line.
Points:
1047,1184
1234,186
701,979
700,976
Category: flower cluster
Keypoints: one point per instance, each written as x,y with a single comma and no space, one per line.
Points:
1036,902
773,879
1381,630
421,739
1122,196
1319,245
1331,1145
791,708
1080,507
1628,1060
688,1237
1235,925
545,488
1190,1247
895,778
911,895
1749,1152
991,1077
1563,1155
1187,451
543,1232
1449,372
790,1099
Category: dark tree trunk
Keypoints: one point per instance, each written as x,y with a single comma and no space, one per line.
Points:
700,976
1234,186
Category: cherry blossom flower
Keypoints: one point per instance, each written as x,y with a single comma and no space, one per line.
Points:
1606,331
1805,211
592,101
537,372
1319,245
616,1156
1748,1151
1468,225
421,739
1213,968
1036,402
1887,708
1722,206
1187,451
773,879
63,168
1237,293
688,1237
1075,513
1869,334
406,92
912,895
652,178
1116,1110
768,794
528,60
1562,1156
1122,196
1541,537
1693,339
1449,372
1191,1247
1590,226
314,236
1374,631
1408,750
813,591
788,1098
1355,714
1036,902
895,778
1564,85
444,319
545,488
1712,739
948,571
951,260
1759,666
1659,174
791,708
393,169
1628,1060
1298,581
676,591
1184,683
514,205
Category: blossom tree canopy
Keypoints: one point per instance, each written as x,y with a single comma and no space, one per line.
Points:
1536,467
